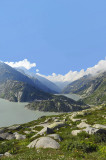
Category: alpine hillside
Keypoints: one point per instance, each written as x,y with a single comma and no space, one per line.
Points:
91,88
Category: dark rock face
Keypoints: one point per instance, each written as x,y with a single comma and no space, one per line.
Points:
101,131
56,104
49,131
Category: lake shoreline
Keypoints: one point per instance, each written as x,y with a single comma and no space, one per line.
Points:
16,113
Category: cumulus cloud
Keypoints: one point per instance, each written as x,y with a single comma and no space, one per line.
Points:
74,75
101,66
69,77
62,80
22,64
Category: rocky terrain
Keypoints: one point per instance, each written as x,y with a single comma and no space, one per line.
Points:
18,87
14,86
92,88
57,104
42,82
16,91
76,135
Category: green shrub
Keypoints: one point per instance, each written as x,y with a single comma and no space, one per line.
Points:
102,150
83,135
85,146
6,146
98,138
88,146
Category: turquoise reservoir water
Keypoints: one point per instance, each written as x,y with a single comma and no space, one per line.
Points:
72,96
15,113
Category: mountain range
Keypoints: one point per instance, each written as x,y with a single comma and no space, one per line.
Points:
16,86
21,86
41,82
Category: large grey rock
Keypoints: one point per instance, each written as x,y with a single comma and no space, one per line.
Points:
4,135
56,125
52,126
7,136
91,130
10,137
99,126
44,142
19,136
83,125
2,130
75,132
55,136
7,154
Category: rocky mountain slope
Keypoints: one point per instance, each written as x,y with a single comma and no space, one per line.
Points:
15,86
40,81
9,73
92,88
98,96
57,104
16,91
42,86
48,83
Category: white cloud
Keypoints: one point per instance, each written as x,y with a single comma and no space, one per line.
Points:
62,80
101,66
24,64
74,75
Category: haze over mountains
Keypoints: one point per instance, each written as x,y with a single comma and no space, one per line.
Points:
42,83
16,86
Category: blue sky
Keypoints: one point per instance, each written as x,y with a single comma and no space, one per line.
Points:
57,35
